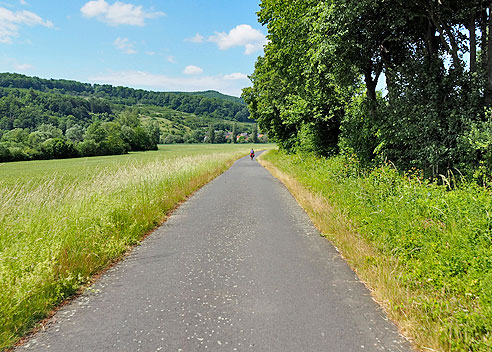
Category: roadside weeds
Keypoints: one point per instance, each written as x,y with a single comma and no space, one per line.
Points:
377,272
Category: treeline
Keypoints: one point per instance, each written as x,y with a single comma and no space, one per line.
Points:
216,133
99,138
212,104
35,125
29,108
315,88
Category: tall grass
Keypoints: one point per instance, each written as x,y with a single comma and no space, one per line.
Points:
424,249
59,226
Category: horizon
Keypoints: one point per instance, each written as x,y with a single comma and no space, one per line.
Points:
149,90
188,47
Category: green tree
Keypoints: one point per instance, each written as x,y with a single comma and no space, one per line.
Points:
96,132
211,134
154,132
5,154
17,137
58,148
234,133
294,97
75,133
255,134
219,137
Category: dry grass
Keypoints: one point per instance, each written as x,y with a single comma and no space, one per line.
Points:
379,273
57,230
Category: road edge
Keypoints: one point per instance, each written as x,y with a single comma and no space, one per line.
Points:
320,212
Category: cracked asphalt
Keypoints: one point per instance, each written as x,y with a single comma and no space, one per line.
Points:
238,267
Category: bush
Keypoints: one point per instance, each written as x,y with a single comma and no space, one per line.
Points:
88,148
439,235
58,148
113,145
18,154
5,154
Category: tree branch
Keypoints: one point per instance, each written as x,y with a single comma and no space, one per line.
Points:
442,29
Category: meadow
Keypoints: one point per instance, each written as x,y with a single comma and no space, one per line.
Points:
62,221
423,248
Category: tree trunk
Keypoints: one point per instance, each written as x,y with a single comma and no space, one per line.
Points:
443,28
371,92
432,46
483,44
488,97
473,45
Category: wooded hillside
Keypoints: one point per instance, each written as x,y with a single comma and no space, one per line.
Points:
43,119
209,103
315,87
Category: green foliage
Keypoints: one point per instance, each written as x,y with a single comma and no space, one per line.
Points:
58,148
84,114
440,237
65,220
75,133
216,95
314,89
99,138
359,133
88,148
234,133
294,97
211,134
209,103
255,134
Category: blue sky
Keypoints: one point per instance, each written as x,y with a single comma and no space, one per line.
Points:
172,45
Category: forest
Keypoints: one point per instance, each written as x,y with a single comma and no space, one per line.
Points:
209,103
316,87
37,125
382,111
45,119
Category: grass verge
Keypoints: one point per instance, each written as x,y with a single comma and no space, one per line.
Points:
61,224
424,250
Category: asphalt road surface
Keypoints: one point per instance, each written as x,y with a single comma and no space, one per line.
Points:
238,267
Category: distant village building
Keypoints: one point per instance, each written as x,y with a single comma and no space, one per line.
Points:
244,134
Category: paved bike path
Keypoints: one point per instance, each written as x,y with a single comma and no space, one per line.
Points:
238,267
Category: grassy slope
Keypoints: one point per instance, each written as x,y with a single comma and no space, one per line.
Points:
424,250
176,122
217,95
61,221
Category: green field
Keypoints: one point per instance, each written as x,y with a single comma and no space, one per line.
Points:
62,221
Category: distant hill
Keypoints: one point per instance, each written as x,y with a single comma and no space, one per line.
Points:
44,119
216,95
208,103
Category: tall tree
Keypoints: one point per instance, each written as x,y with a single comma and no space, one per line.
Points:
294,98
320,70
234,133
211,134
255,133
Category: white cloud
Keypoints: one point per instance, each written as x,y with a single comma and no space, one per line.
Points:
23,67
145,80
23,2
171,59
193,70
10,22
150,53
118,13
236,76
198,38
11,63
241,35
125,45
